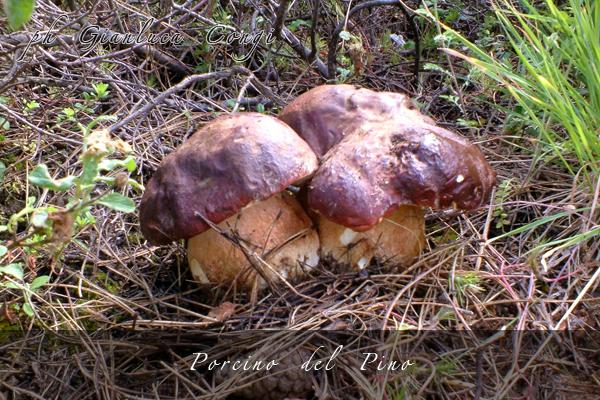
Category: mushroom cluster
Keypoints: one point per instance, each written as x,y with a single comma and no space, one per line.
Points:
368,163
382,162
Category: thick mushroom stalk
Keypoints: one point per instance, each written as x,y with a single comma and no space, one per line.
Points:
397,239
277,230
381,162
233,172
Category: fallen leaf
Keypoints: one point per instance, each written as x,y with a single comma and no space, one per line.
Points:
31,265
62,226
222,312
8,314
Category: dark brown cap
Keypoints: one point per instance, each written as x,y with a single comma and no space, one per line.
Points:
324,115
230,162
382,165
378,152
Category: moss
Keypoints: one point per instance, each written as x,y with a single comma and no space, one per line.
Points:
8,332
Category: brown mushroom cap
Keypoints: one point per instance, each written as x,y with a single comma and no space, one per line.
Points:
229,163
379,152
326,114
384,165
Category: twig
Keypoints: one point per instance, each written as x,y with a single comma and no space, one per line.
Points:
242,92
184,84
267,92
303,52
313,31
280,17
11,75
251,101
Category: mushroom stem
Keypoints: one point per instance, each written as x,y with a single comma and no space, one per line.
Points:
277,229
396,240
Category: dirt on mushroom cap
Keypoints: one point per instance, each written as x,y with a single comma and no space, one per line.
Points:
324,115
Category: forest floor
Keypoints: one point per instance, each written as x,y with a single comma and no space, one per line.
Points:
487,311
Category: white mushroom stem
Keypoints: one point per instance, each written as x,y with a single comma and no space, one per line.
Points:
396,240
277,230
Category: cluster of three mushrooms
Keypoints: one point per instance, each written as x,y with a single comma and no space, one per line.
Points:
368,162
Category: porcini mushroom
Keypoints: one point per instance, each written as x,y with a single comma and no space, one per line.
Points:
234,172
382,162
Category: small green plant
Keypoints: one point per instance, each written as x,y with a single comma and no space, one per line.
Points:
70,113
446,366
502,194
397,393
100,92
221,15
465,282
297,23
67,114
344,74
50,227
83,108
470,123
15,270
445,314
152,81
352,58
30,106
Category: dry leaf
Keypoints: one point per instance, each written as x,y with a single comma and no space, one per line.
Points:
62,226
32,265
8,314
222,312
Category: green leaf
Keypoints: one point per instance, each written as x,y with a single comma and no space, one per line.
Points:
32,105
4,124
294,25
110,164
68,112
30,201
39,282
39,219
40,177
18,12
117,202
345,35
101,118
2,170
3,250
28,309
15,270
130,164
